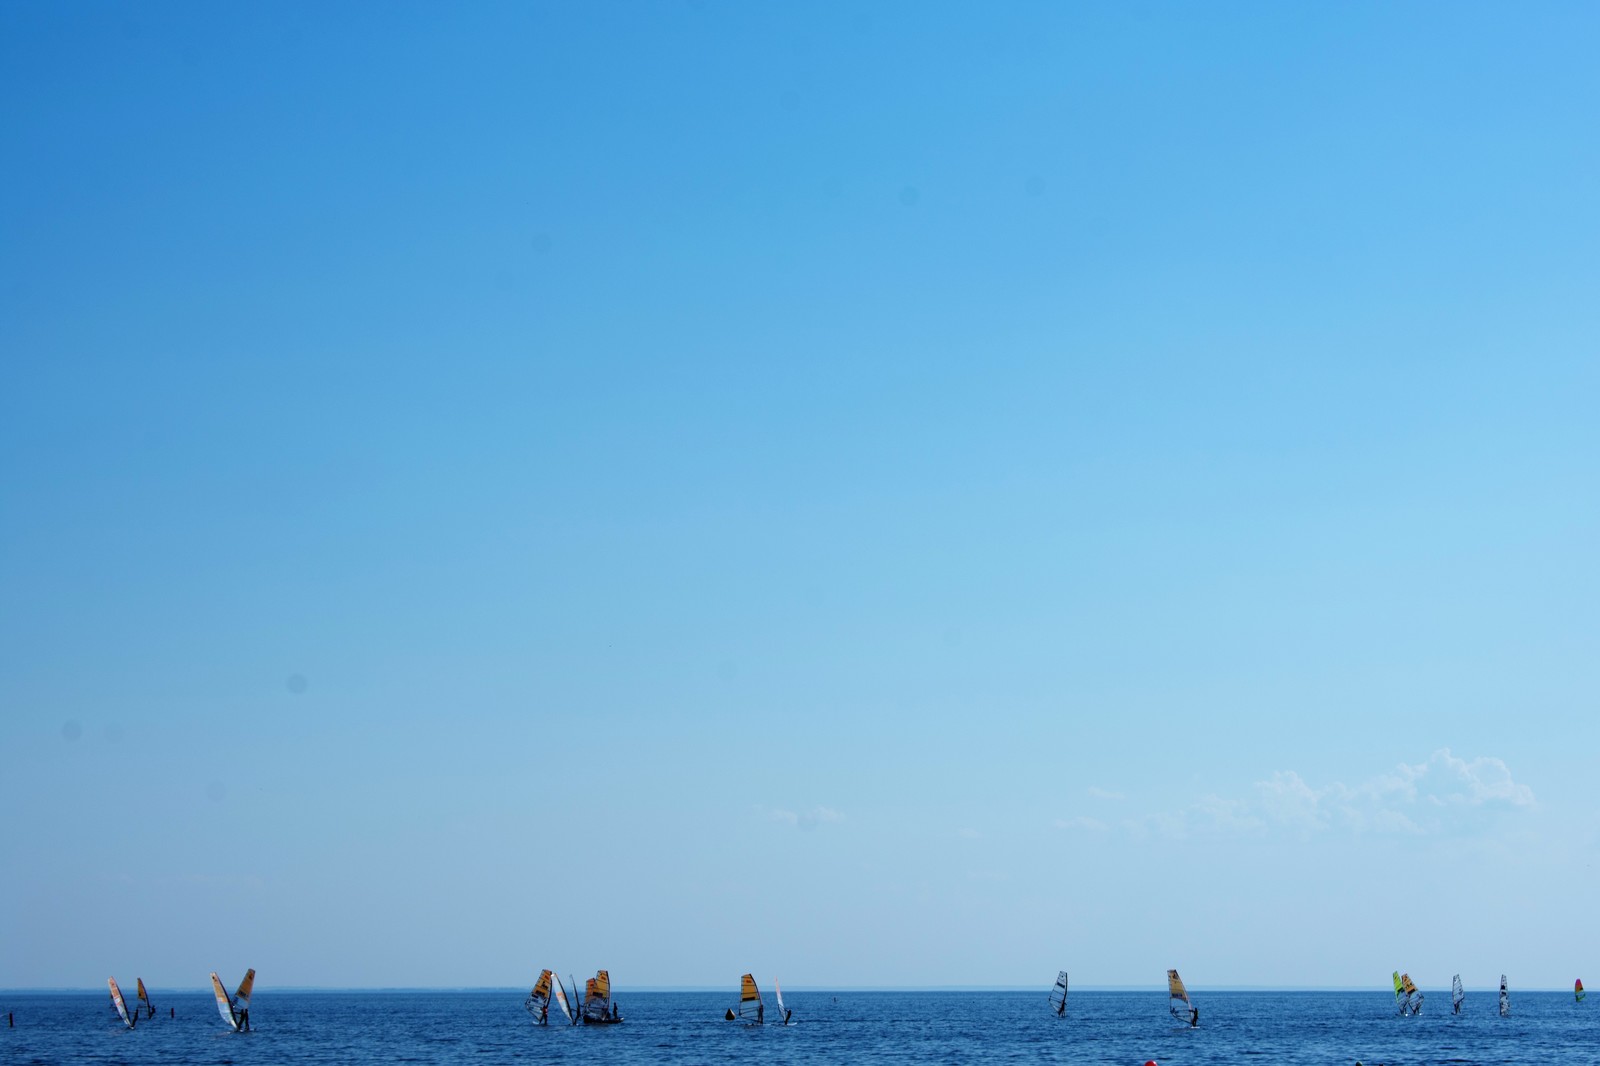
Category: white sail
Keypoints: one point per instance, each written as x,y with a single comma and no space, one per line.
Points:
1058,995
224,1005
122,1007
561,997
783,1014
1457,994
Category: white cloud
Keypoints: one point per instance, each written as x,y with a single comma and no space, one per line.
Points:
1105,794
1227,815
807,819
1091,825
1412,798
1488,781
1444,793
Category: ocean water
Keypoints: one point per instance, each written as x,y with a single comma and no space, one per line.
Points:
487,1027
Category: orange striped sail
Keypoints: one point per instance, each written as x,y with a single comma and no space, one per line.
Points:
1178,1004
751,1009
597,998
241,998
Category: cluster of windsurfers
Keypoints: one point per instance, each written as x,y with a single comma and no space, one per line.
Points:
598,1008
752,1010
235,1009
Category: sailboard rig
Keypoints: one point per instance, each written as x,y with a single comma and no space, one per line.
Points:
1058,996
783,1012
597,1006
1505,998
144,999
122,1007
751,1010
538,1001
1178,1004
560,992
1456,994
1577,991
1407,1000
235,1010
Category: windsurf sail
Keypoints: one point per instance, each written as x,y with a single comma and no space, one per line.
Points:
783,1014
560,992
1457,994
122,1007
1178,1004
1058,995
751,1009
1505,998
241,998
538,1001
597,998
144,998
1413,997
1577,991
224,1005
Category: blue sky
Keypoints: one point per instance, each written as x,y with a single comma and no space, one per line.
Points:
909,494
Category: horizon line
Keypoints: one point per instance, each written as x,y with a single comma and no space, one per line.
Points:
1151,989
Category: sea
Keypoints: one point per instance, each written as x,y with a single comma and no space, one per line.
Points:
1123,1028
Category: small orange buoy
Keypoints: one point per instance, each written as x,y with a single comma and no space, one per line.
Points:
1149,1062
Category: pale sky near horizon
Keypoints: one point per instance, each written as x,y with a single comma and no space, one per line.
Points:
893,494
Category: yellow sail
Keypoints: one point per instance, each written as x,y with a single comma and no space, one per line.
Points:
1175,987
1405,984
751,1009
541,987
241,998
596,998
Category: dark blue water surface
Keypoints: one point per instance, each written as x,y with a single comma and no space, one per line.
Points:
479,1027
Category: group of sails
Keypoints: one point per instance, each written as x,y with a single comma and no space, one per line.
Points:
752,1009
235,1009
1179,1005
597,1007
120,1005
1409,1001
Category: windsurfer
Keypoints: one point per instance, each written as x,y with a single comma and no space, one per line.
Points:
1194,1017
761,1013
787,1015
